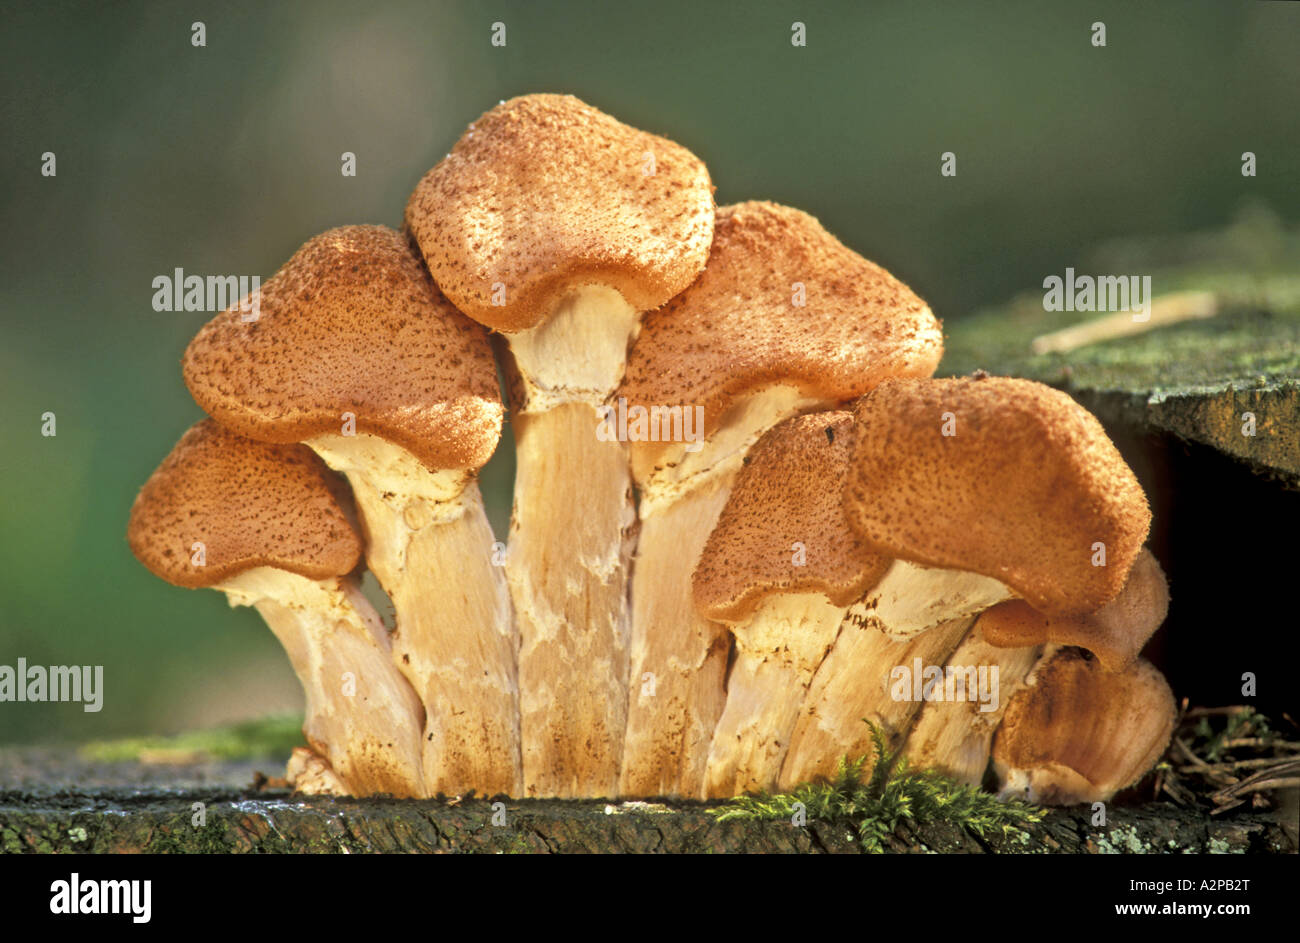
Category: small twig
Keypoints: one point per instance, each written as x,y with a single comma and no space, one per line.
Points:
1167,309
1180,794
1260,742
1215,776
1262,763
1219,711
1189,755
1282,775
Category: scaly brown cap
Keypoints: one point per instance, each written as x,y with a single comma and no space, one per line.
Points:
1022,491
545,194
787,493
738,329
1080,733
249,503
352,323
1115,633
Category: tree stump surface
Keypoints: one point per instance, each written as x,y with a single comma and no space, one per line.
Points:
1195,379
53,802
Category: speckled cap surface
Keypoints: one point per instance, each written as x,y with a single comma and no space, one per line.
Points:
249,503
788,493
738,328
353,323
1115,633
544,194
1023,491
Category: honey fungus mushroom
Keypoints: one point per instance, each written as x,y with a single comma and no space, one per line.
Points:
1027,492
1080,733
784,320
557,226
780,569
268,526
1115,633
356,354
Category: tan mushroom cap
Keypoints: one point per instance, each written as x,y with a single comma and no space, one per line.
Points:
352,323
1022,493
544,194
249,503
738,329
787,493
1081,733
1115,633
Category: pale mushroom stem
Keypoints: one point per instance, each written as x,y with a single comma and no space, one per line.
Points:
669,733
778,650
852,685
954,732
679,660
455,637
361,718
911,599
429,543
570,547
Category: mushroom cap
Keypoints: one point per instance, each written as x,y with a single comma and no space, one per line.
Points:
1115,633
250,504
545,194
737,329
788,492
1021,493
353,323
1015,624
1080,733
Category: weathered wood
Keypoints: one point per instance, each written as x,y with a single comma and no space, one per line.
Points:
1195,379
53,801
156,822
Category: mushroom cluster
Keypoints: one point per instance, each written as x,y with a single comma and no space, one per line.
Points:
745,517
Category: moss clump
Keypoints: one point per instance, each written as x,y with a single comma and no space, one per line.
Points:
893,795
268,737
1243,724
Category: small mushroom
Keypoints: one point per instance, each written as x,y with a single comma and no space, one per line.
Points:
784,320
780,570
356,354
1115,633
1080,733
557,225
268,526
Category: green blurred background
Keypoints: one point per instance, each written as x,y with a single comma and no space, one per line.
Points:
224,159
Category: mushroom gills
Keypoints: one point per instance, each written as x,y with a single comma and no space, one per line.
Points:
671,471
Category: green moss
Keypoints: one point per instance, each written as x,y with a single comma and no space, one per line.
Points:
1211,744
270,736
1194,380
894,795
1253,343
